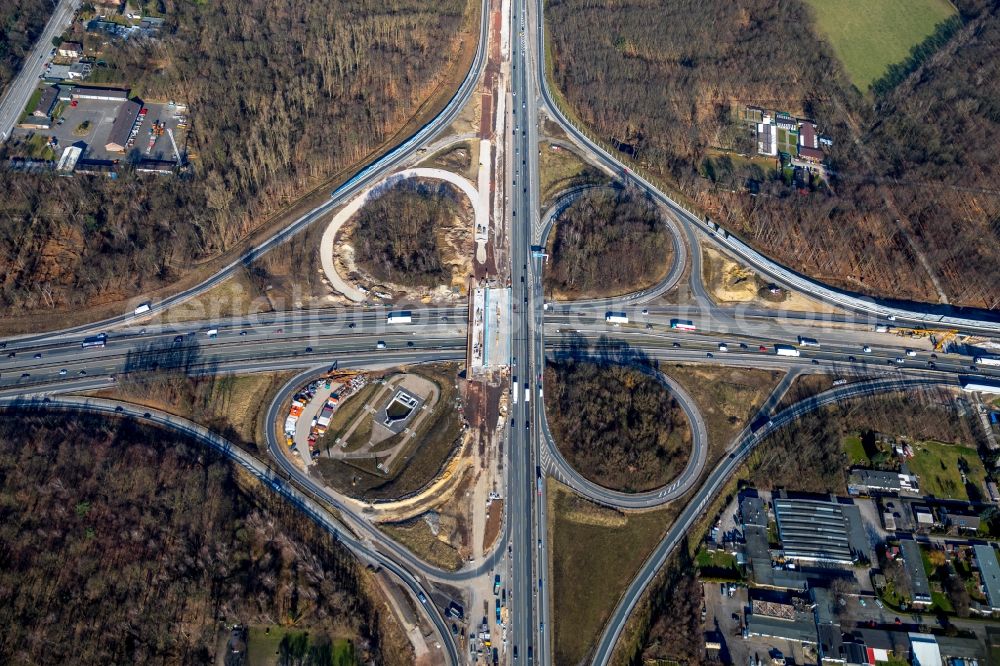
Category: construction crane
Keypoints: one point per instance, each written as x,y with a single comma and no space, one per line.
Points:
941,341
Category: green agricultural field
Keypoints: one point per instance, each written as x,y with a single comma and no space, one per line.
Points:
939,467
870,35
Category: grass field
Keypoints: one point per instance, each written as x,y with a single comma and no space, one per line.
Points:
611,546
726,397
560,169
938,466
717,565
416,535
870,35
856,451
264,647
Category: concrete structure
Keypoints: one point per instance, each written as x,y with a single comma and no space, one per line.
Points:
121,130
914,565
866,481
813,530
47,102
989,573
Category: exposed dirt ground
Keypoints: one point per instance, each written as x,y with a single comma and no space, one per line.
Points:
730,282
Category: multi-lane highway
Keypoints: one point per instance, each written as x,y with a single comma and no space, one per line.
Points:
46,365
19,91
526,504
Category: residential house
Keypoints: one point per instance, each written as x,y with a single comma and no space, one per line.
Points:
70,50
47,102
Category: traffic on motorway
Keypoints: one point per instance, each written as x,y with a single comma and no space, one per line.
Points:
860,345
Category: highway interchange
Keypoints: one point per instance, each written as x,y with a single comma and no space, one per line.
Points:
42,367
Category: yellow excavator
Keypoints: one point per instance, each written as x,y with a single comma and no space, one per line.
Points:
940,338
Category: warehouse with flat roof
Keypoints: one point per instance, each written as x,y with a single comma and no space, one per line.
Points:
920,587
101,94
813,530
989,573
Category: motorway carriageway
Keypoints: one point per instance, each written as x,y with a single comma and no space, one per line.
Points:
700,348
201,353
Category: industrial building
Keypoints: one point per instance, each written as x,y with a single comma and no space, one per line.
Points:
924,650
914,564
121,130
100,94
989,573
868,481
815,530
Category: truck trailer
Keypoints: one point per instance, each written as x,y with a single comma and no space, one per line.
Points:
987,360
401,317
786,350
616,317
981,386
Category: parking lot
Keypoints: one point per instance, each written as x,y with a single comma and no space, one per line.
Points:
88,125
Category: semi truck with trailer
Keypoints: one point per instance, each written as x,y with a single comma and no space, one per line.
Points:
987,360
99,340
786,350
616,318
682,324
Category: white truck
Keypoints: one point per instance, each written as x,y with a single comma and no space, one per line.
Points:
616,318
786,350
401,317
987,360
144,308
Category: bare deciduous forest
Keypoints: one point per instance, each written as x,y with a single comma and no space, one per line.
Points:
282,96
617,426
821,466
395,236
125,544
913,171
22,23
607,243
